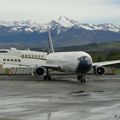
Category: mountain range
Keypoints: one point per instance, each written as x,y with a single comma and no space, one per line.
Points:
65,32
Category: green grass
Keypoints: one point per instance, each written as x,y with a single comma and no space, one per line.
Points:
117,71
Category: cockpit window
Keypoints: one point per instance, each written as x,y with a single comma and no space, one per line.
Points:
82,58
3,51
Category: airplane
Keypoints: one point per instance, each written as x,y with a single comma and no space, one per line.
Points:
79,63
21,58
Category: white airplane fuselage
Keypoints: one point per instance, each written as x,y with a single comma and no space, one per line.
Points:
76,62
21,58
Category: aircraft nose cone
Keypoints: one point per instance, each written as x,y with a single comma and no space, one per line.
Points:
85,64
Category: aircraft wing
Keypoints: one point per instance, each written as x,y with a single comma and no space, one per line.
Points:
107,63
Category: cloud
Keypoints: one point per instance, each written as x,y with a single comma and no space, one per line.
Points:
44,10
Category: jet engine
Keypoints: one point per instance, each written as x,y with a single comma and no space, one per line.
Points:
99,70
40,71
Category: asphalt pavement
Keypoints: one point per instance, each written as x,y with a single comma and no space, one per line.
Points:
62,98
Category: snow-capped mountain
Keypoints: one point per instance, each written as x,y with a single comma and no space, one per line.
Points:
65,32
68,23
28,26
107,27
62,24
65,22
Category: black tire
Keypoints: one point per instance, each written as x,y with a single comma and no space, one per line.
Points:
81,78
47,77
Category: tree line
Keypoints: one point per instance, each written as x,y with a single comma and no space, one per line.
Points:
105,56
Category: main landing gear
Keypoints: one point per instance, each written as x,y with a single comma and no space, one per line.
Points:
81,78
47,76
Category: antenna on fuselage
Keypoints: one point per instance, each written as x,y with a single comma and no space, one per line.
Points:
50,41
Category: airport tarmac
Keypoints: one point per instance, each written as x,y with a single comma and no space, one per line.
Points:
63,98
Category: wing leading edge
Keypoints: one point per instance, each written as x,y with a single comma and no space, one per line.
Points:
54,67
107,63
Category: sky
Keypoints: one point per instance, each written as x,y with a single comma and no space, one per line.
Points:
43,11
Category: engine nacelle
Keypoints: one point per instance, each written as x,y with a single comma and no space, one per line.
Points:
99,70
40,71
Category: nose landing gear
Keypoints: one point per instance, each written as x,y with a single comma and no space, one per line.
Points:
81,78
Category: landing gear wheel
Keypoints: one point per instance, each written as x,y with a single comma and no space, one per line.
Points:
81,78
47,77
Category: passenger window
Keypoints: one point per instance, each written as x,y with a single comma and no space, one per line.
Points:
35,56
42,56
29,56
15,60
25,56
8,60
32,56
11,60
22,56
39,56
19,60
4,59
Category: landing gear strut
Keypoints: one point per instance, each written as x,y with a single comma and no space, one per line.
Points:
81,78
47,76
